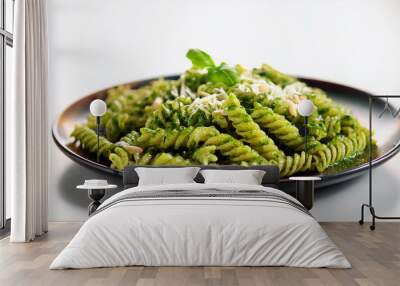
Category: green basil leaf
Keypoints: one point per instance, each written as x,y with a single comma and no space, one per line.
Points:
200,59
223,74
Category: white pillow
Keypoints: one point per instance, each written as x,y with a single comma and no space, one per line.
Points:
164,176
248,177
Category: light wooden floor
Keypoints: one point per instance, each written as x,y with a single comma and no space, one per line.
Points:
375,257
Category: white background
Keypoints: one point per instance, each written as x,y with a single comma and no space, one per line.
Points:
98,43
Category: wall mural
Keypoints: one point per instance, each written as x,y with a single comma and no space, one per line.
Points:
219,114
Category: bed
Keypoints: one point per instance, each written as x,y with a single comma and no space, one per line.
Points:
201,224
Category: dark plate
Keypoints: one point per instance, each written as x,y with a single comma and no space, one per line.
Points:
387,130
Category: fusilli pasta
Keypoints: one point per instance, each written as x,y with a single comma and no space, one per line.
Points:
217,114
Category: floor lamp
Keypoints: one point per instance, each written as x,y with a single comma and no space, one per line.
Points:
97,108
305,184
305,109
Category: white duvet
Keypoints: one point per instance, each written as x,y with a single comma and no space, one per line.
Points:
200,231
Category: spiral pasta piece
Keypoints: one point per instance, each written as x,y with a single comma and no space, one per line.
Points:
118,99
342,146
145,159
235,150
177,113
189,138
169,159
325,105
88,141
114,95
129,108
321,155
115,124
124,154
162,158
195,139
119,158
333,126
205,155
125,99
274,75
250,131
296,163
339,148
131,137
118,155
219,119
277,125
317,128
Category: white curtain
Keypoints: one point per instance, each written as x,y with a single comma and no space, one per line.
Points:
27,128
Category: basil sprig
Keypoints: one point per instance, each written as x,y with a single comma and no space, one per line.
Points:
200,59
216,74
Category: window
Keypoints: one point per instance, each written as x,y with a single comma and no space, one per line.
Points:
6,43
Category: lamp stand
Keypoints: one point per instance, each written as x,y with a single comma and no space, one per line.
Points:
305,134
98,138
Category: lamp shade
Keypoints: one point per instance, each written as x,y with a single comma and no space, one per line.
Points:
305,107
98,107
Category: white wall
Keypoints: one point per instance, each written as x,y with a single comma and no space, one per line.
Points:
98,43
